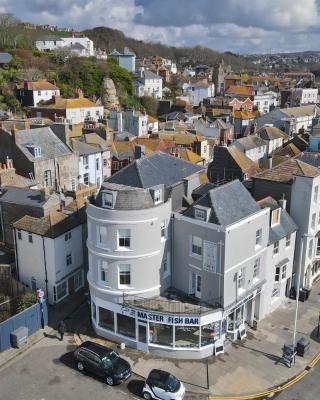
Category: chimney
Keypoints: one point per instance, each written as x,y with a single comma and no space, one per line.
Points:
270,162
62,205
283,202
42,194
13,133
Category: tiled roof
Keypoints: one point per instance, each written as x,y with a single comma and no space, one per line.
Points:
285,171
38,85
301,111
289,150
61,103
191,156
240,90
244,114
52,226
123,149
245,163
271,133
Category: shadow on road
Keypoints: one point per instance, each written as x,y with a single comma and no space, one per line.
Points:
135,387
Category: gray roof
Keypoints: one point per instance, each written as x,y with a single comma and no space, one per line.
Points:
157,169
49,38
250,142
76,46
286,226
127,197
51,146
30,197
229,203
311,158
83,148
5,58
151,75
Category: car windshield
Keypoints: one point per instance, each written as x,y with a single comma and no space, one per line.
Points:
113,357
172,383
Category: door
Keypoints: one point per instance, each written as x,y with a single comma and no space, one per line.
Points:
288,287
71,285
195,285
142,337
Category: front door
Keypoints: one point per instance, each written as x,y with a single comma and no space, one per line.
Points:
142,337
71,285
198,286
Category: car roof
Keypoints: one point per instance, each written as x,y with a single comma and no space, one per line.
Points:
158,374
96,348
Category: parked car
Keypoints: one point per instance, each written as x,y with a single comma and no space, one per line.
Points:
162,385
103,362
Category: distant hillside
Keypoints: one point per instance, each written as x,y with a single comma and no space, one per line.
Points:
109,39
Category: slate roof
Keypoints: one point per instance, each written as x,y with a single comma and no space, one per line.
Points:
285,171
300,111
83,148
16,195
250,142
229,204
311,158
128,197
157,169
49,38
151,75
245,163
5,58
286,226
51,146
271,133
289,150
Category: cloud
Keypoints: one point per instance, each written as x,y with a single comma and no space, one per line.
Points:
235,25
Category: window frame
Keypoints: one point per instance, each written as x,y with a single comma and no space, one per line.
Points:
288,240
124,274
68,259
196,246
124,237
258,237
105,202
30,237
276,248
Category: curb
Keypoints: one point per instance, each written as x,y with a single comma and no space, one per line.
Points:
276,389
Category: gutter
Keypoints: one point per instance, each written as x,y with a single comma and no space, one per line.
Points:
45,266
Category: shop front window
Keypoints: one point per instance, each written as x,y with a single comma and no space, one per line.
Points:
161,334
187,336
209,333
126,326
106,319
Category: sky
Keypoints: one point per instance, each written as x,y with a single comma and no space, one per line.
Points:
240,26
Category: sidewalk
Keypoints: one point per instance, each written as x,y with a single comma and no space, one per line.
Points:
251,366
64,310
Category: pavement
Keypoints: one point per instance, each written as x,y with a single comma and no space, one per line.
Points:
246,368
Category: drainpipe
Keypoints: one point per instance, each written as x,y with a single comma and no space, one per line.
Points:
45,267
16,253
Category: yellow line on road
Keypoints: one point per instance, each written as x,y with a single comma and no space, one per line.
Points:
276,389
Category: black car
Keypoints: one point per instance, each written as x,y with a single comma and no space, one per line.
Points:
103,362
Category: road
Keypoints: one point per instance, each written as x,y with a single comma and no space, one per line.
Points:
306,389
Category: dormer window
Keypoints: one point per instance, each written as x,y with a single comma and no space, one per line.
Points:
157,196
200,214
108,200
275,217
35,151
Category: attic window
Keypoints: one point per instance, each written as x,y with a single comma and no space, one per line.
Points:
35,151
275,217
107,200
157,196
200,214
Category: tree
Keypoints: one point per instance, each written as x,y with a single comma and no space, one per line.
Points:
8,30
30,74
150,104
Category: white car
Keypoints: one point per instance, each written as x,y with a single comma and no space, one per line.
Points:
162,385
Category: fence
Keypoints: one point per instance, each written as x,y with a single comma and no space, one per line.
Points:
33,318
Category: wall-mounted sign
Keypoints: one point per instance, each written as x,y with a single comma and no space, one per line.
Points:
209,256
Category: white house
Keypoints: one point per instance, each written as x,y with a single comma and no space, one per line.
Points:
253,147
273,137
149,84
263,102
198,91
31,93
53,43
50,253
90,163
309,96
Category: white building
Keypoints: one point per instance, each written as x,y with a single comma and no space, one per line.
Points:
198,91
149,84
90,163
53,43
49,253
253,147
309,96
31,93
263,102
273,137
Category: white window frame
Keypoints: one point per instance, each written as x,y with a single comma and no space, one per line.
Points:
102,234
85,175
313,221
288,240
275,215
258,237
124,269
277,274
164,230
241,278
56,291
103,271
19,234
85,160
256,269
106,203
195,246
310,248
30,237
124,234
199,214
157,196
284,272
276,248
67,236
68,259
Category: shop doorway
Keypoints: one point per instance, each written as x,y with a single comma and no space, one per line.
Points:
142,337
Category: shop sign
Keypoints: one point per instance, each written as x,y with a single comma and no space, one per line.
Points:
218,347
161,318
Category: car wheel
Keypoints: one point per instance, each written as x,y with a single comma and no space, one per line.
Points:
147,395
110,381
80,366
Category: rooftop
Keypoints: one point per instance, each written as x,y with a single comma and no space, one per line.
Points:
250,142
16,195
38,85
157,169
271,133
285,171
62,103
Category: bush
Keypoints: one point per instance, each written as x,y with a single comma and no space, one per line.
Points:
24,301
